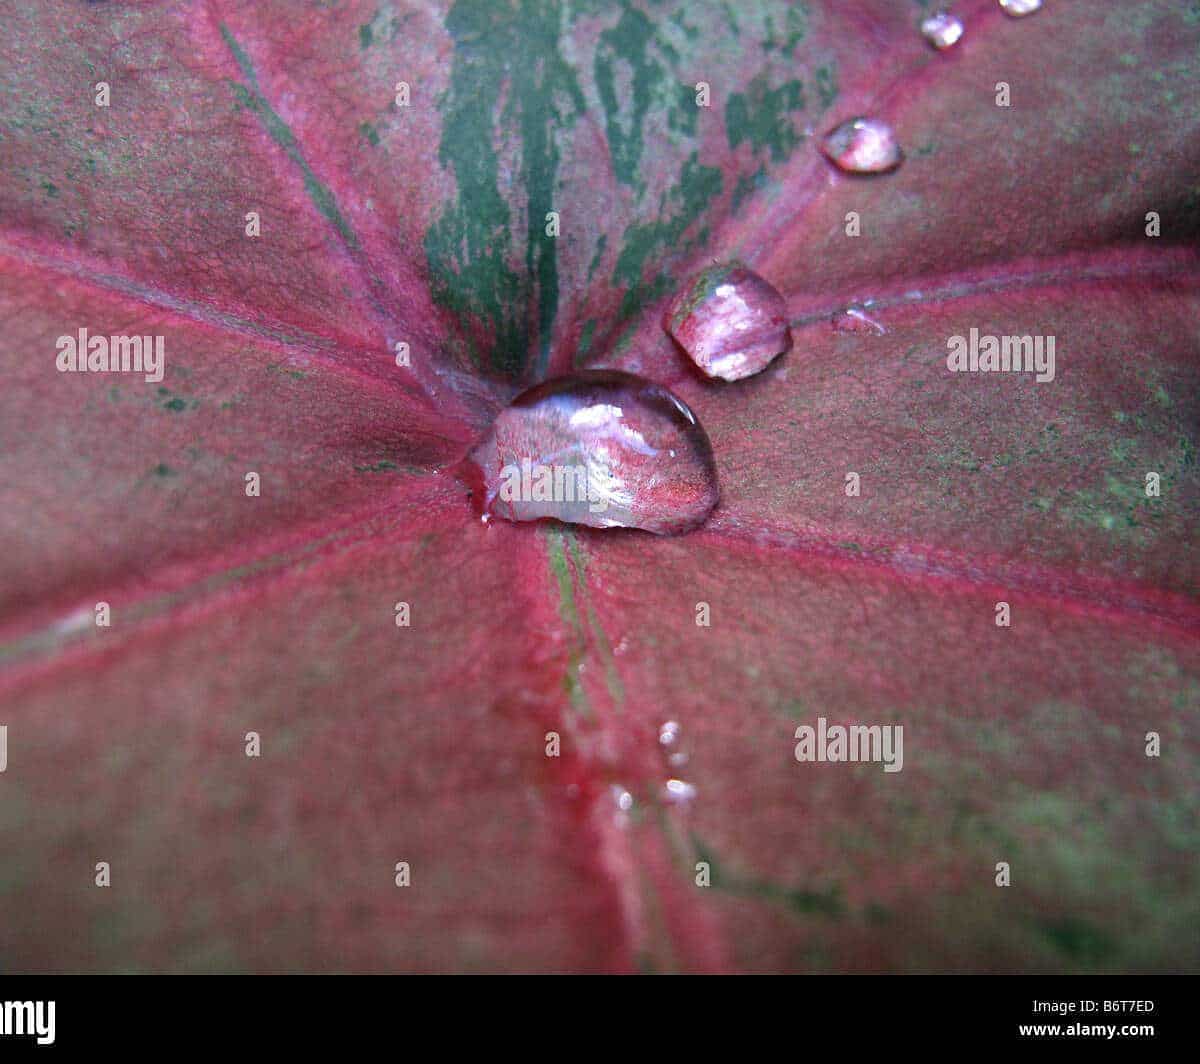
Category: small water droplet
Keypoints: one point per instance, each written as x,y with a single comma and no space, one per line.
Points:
863,146
668,733
1017,8
678,759
942,30
599,448
856,320
678,791
623,798
730,321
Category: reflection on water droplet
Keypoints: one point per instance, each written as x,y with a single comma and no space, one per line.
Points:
856,320
1017,8
599,448
863,146
678,791
730,321
668,733
623,798
942,30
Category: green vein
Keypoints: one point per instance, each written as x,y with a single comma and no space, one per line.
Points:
251,97
612,679
799,901
569,612
568,565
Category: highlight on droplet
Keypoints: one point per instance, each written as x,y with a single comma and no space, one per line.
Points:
863,146
599,448
942,29
1017,8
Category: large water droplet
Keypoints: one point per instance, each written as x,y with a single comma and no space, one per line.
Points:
1017,8
730,321
863,146
599,448
942,30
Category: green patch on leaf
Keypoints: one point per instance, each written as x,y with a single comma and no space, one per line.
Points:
295,374
601,245
381,29
585,340
762,117
1079,940
684,116
507,72
794,30
803,901
827,86
698,186
627,43
746,186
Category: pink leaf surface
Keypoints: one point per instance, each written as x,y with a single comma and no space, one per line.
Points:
425,224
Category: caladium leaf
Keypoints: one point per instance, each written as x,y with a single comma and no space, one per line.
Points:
359,229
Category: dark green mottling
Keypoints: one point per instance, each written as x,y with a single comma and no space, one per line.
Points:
762,117
827,85
510,53
746,186
601,244
585,340
698,186
826,901
795,28
626,42
684,116
1079,940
